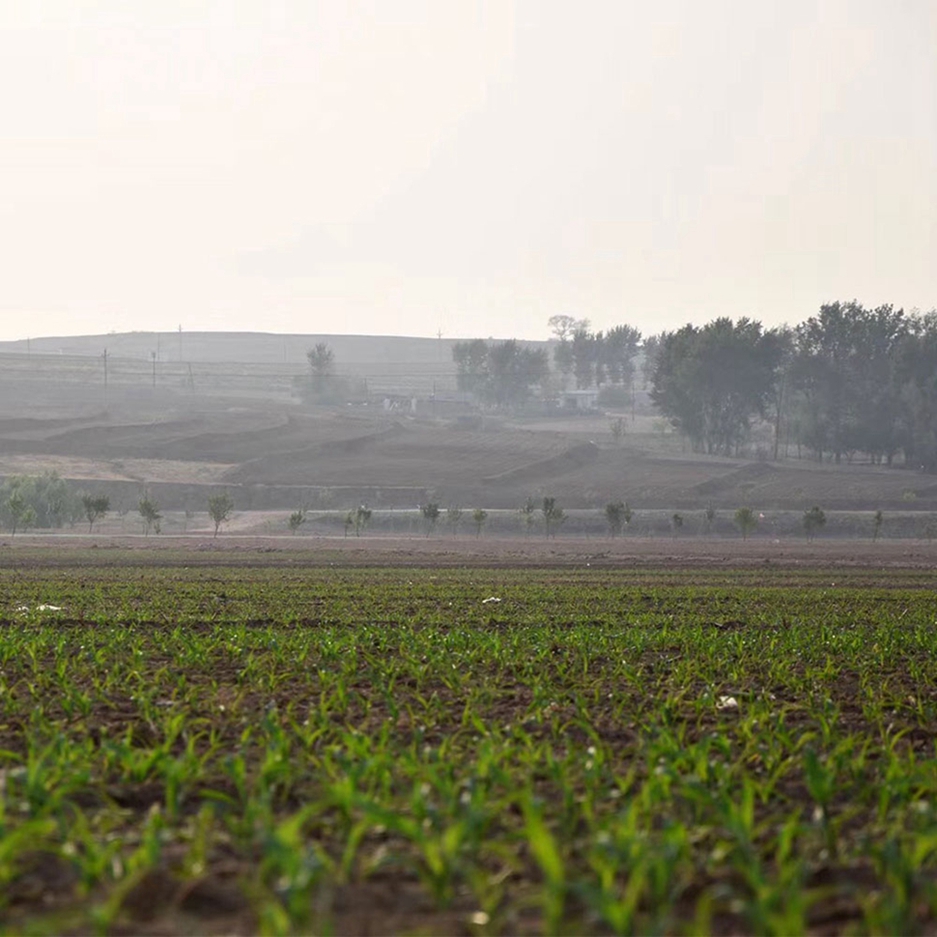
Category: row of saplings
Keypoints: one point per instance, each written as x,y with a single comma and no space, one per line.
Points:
20,514
618,516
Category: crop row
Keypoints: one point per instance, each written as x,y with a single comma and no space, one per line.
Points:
476,751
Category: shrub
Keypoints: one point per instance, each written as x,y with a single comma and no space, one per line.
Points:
746,521
814,519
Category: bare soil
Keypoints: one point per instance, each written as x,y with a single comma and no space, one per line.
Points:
447,552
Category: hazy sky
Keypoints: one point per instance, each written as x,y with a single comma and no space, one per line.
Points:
470,167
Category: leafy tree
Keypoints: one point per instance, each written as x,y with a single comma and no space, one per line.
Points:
617,353
650,349
56,503
746,521
149,512
44,500
563,326
12,500
781,388
297,519
596,357
21,512
845,372
501,374
563,359
553,516
614,517
814,520
479,516
877,522
430,512
712,381
513,371
916,380
321,365
471,361
586,361
95,507
453,518
220,508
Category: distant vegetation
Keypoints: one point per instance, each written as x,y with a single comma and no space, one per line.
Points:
845,382
95,507
502,374
746,521
323,385
44,501
297,519
814,521
220,508
553,516
594,358
430,512
712,381
150,514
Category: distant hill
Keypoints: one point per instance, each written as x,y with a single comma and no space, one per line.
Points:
243,347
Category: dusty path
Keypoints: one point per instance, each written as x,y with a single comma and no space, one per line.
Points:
448,552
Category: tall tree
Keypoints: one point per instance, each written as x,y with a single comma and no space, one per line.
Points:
502,374
916,381
781,387
844,370
563,327
321,360
583,349
712,381
619,347
513,371
650,349
471,361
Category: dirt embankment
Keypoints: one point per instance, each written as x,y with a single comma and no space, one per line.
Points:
573,458
287,468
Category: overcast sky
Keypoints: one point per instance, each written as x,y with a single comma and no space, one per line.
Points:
403,167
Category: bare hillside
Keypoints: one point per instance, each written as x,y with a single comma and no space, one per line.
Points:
182,430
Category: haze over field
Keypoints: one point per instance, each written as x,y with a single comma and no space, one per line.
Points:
471,168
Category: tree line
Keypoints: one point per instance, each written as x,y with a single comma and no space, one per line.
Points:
594,358
850,380
505,374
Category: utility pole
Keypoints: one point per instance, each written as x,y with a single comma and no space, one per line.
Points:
154,355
